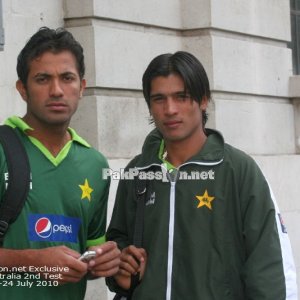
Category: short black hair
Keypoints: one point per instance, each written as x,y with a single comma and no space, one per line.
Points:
53,40
185,65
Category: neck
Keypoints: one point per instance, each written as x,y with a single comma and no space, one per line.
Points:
54,138
178,152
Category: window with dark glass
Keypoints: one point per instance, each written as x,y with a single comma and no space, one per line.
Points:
1,27
295,30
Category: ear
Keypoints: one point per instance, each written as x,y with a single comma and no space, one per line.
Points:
204,103
82,87
21,89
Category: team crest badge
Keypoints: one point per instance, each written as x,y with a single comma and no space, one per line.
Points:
205,200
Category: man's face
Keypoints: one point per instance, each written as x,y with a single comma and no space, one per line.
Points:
175,114
53,89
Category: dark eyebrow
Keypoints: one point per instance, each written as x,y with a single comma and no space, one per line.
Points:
156,95
45,74
68,73
183,92
41,74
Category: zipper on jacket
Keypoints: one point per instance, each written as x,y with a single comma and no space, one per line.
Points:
171,240
172,179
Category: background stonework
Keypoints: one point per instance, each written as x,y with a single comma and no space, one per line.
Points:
242,45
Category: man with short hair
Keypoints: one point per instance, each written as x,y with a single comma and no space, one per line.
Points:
212,229
65,211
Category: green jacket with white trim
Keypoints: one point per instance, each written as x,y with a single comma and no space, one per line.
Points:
212,229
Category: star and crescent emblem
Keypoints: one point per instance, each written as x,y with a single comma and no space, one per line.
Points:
205,200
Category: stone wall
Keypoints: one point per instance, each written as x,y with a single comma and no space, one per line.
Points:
242,45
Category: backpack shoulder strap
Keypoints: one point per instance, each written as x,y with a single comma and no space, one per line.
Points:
18,181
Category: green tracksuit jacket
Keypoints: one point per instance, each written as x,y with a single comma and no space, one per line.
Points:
216,235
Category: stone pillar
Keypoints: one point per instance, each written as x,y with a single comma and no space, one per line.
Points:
296,102
295,95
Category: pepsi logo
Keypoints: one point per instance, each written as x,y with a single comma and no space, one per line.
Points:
43,227
56,228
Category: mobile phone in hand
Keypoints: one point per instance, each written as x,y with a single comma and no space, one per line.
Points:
87,256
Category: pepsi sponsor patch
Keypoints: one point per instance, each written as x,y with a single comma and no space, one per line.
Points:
54,228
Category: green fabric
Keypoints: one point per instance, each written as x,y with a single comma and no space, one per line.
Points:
226,242
58,189
167,164
96,242
56,160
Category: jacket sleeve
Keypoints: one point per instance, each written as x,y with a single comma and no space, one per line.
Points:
287,256
121,225
269,271
3,170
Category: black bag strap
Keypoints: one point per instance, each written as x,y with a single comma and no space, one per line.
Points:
18,181
140,190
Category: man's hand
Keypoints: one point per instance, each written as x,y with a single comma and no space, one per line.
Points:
61,262
107,260
65,261
133,261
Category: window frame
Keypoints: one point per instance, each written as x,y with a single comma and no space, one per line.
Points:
1,28
295,35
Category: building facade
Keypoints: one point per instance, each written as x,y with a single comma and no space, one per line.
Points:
243,45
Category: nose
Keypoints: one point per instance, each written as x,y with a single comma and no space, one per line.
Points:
170,106
56,90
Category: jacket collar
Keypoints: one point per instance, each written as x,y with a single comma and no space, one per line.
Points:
212,151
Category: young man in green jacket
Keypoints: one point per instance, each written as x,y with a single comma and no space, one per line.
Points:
212,229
